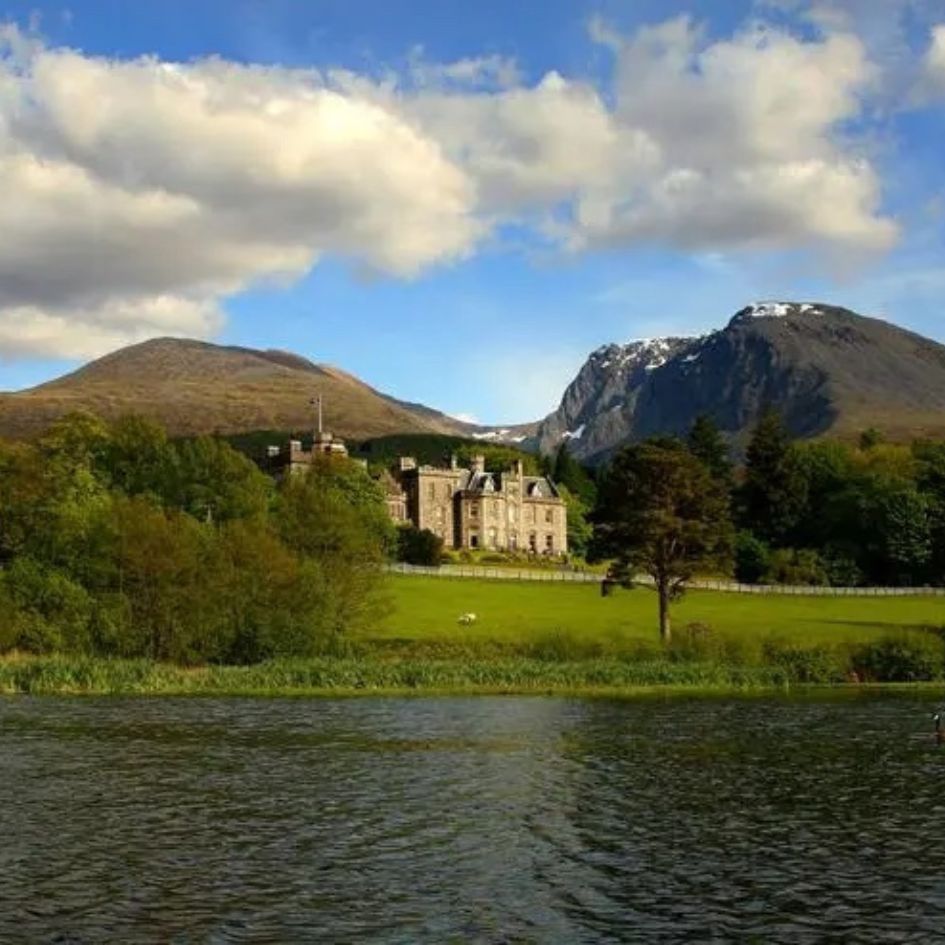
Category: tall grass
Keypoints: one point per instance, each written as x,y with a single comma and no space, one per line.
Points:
62,675
557,663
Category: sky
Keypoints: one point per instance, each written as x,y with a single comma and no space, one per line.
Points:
458,201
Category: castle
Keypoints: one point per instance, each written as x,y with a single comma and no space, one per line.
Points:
472,508
295,458
466,507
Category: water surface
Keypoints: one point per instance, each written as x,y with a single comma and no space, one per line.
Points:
470,820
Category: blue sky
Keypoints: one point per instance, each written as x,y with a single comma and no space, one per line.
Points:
466,199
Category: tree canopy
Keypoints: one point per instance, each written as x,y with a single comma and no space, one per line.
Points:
661,512
116,541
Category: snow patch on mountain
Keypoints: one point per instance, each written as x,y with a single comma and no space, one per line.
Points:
772,309
498,436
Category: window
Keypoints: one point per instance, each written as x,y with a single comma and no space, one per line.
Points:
474,510
550,516
513,541
533,542
549,543
431,490
473,541
493,538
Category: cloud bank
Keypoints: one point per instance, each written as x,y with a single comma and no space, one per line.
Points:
140,194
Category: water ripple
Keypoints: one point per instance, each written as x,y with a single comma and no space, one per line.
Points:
481,820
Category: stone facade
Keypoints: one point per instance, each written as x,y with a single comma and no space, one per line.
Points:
472,508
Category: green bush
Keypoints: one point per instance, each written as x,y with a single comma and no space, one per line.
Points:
841,567
901,657
797,566
813,664
752,558
45,610
419,546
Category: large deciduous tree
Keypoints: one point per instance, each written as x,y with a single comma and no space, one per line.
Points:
662,512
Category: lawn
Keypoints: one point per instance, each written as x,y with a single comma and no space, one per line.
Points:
553,638
426,609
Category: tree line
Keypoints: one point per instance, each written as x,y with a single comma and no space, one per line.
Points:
820,512
116,541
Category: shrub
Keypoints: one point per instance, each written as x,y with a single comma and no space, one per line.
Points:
814,664
902,657
841,567
797,566
419,546
44,608
752,558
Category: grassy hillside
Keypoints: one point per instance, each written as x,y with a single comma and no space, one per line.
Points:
193,387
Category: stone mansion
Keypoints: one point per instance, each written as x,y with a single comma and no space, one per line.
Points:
468,508
472,508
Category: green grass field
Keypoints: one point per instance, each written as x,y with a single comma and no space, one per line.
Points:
426,610
555,638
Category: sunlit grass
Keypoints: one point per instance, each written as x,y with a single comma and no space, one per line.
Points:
64,675
544,638
426,610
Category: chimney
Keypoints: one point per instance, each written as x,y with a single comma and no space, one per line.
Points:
453,463
517,469
479,463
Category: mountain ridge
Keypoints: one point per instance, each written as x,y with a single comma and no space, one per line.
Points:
196,387
824,367
827,369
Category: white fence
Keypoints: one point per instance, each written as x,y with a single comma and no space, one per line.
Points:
563,576
556,575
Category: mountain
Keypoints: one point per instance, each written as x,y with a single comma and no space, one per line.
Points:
193,387
824,368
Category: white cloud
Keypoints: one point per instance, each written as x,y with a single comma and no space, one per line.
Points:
474,71
730,145
131,182
26,330
750,152
141,193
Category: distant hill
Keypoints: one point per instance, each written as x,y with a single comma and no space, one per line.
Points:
193,387
825,369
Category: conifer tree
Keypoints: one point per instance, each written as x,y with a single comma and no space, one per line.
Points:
774,495
707,444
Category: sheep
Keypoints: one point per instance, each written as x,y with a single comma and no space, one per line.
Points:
466,619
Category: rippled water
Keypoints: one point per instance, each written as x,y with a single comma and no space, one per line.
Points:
470,820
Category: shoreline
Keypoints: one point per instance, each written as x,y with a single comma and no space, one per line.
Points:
323,678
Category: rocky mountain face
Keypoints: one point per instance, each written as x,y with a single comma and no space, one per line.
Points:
193,387
824,368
